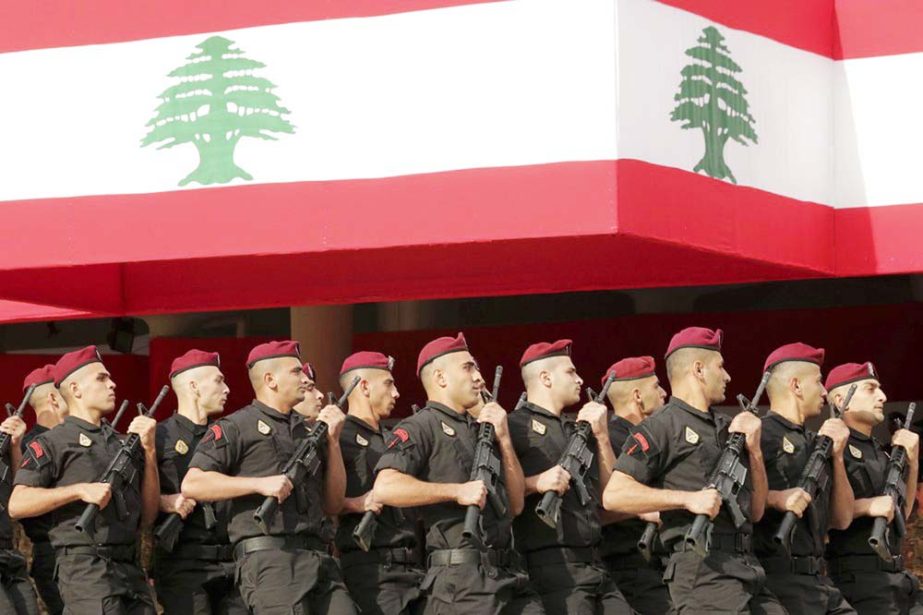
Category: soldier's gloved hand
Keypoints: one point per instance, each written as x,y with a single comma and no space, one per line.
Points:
882,506
595,414
176,503
704,502
14,426
372,504
554,478
750,426
278,486
795,500
95,493
495,415
335,419
145,427
472,493
909,440
836,430
651,517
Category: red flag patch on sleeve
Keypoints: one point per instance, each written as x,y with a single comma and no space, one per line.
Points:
216,430
640,443
37,449
399,435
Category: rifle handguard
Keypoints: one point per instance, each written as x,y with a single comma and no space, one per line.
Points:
365,531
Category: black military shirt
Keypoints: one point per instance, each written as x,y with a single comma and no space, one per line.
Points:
540,439
177,438
437,445
79,452
36,528
621,538
677,448
362,447
867,467
786,449
257,441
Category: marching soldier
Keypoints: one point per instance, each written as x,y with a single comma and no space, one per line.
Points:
634,394
197,576
428,464
50,411
313,401
98,570
385,580
564,563
795,395
664,467
870,584
240,459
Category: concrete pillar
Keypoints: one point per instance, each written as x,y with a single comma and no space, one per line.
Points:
326,335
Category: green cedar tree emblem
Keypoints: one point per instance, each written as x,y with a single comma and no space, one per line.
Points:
216,102
711,98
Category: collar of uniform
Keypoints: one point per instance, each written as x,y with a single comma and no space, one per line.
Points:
272,412
84,425
463,417
536,409
705,416
858,435
620,420
361,424
785,422
188,425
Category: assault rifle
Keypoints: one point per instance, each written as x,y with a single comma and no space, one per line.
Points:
6,439
727,477
814,477
305,462
486,467
576,460
896,488
121,471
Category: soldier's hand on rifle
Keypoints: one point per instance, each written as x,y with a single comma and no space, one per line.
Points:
704,502
554,478
372,504
145,427
836,430
750,426
495,415
14,426
472,493
95,493
176,503
278,486
909,440
595,414
334,418
795,500
882,506
651,517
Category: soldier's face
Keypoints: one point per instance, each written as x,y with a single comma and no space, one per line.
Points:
716,378
868,403
652,395
383,393
313,401
96,388
291,381
565,381
462,378
813,391
213,391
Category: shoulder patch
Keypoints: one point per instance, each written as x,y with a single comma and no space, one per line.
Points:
263,427
539,427
215,435
691,436
181,447
84,440
855,452
361,441
398,436
637,444
787,445
447,429
35,456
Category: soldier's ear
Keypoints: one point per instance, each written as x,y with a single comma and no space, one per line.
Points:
269,381
365,387
544,377
795,386
636,397
698,369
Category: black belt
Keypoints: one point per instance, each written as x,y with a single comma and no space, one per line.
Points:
118,553
281,543
864,563
499,558
404,556
631,561
562,555
807,564
212,553
727,543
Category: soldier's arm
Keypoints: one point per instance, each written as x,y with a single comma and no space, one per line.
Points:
842,500
28,502
334,479
512,471
629,497
212,486
394,488
145,427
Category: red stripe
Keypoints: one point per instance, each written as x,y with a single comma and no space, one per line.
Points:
879,240
868,28
62,23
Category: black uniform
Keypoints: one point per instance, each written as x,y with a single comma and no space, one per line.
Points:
871,585
464,575
16,594
198,575
289,570
677,448
564,564
98,574
640,581
799,582
43,557
387,579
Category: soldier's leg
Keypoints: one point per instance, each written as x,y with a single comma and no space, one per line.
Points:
379,588
700,586
83,580
472,588
268,581
133,588
329,594
16,584
225,596
870,593
42,572
181,588
643,588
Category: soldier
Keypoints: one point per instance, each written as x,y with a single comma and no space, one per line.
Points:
563,563
870,584
240,458
385,580
664,467
198,575
795,395
97,570
50,411
313,399
634,394
428,464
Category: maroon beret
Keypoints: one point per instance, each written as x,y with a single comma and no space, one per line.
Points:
438,347
42,375
274,350
309,370
366,360
632,368
72,361
696,337
849,373
543,350
794,352
194,358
